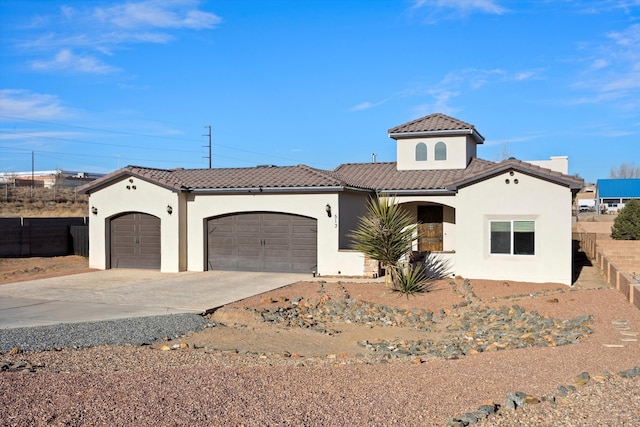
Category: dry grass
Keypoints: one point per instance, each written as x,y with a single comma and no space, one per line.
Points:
42,202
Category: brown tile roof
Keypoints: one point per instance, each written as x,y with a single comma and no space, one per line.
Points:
383,177
386,176
161,177
300,176
271,177
436,123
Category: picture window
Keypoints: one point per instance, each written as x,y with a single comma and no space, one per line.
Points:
513,237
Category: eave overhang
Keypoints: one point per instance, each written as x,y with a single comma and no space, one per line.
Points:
571,184
276,190
479,139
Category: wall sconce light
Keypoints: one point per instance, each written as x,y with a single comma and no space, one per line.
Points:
328,210
169,209
94,210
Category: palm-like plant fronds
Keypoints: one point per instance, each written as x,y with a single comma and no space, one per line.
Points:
386,233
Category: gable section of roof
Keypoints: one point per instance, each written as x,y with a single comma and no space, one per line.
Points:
574,183
435,124
162,177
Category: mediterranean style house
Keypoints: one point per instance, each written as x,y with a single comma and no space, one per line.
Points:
509,220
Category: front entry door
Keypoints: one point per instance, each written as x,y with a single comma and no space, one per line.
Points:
430,229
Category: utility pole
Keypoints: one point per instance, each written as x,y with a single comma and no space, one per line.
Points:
209,135
32,172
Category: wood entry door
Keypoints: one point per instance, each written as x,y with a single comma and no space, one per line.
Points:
430,234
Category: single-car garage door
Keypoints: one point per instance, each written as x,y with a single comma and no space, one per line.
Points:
262,241
135,241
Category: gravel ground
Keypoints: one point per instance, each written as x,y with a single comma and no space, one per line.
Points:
141,330
142,385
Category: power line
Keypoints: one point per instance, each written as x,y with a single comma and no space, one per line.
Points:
97,143
96,129
234,148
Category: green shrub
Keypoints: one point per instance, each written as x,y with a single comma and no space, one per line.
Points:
627,224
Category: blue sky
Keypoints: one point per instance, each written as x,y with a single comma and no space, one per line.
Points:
93,86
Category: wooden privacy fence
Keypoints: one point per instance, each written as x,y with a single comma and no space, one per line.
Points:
25,237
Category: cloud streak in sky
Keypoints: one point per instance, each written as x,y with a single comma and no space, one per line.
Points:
68,61
29,105
454,9
77,37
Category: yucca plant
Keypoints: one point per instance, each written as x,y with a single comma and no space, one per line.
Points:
409,280
386,233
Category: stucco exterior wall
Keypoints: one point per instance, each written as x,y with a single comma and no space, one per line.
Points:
352,207
549,205
146,198
331,261
460,149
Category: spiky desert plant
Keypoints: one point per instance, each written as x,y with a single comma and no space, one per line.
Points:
409,280
386,233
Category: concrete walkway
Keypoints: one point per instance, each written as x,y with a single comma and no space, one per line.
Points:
121,293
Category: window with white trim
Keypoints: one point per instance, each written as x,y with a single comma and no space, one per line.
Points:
513,237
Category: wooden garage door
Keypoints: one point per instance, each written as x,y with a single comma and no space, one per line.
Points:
135,241
262,241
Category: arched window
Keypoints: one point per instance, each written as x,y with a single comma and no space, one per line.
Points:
441,151
421,152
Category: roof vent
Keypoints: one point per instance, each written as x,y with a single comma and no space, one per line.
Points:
266,166
511,158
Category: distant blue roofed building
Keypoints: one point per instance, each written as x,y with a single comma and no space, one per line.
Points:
614,193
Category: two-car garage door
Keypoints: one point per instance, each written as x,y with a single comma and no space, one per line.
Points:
262,241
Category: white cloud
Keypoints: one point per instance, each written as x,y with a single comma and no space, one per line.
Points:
614,74
599,64
26,104
156,14
77,34
366,105
457,8
66,60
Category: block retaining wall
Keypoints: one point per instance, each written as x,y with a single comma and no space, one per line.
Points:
614,273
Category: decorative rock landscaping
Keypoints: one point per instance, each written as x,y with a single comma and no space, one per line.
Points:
464,329
519,399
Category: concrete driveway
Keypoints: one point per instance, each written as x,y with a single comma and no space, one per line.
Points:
121,293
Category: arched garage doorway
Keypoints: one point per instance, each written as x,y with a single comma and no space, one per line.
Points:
262,241
134,241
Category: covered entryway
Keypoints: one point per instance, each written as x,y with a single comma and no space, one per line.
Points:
262,241
430,231
135,241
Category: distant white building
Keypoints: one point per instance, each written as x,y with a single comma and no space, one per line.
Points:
48,178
